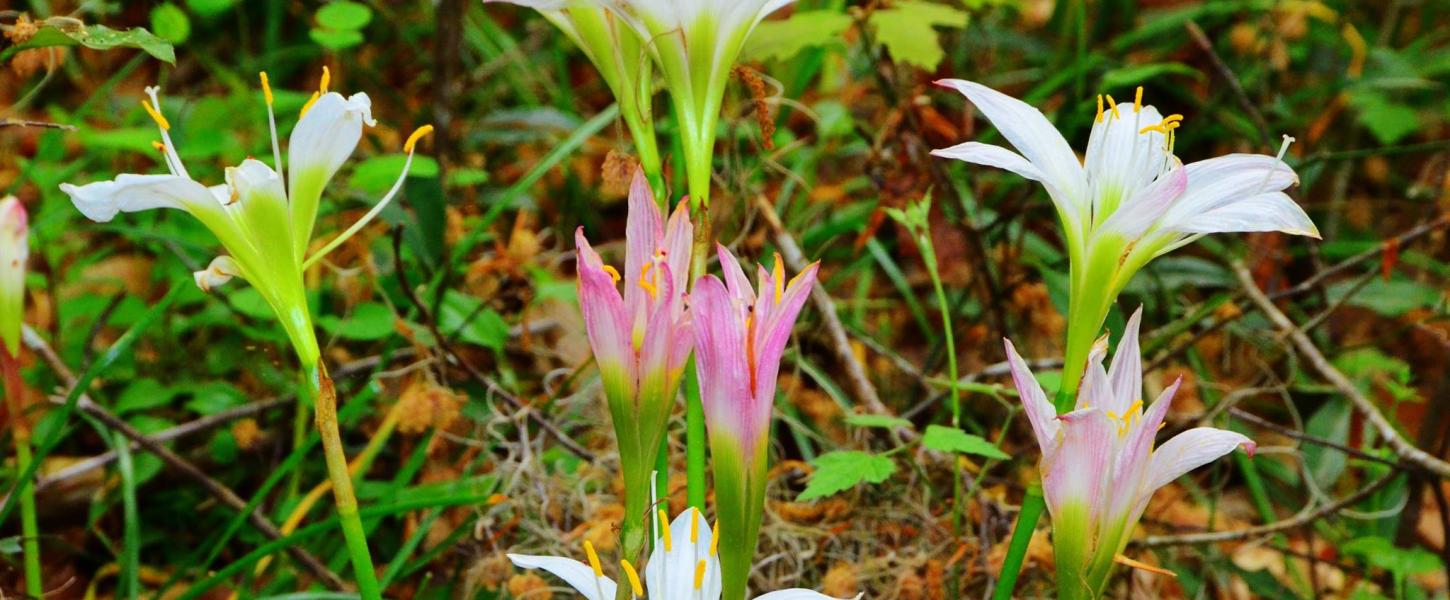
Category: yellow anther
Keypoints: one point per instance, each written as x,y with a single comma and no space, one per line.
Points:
326,80
1099,118
633,577
266,87
699,574
156,115
593,558
1175,118
694,525
613,274
308,106
715,538
665,529
645,283
778,275
1138,99
417,135
1114,105
160,147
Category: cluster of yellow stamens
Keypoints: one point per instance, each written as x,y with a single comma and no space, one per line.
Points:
667,544
1127,417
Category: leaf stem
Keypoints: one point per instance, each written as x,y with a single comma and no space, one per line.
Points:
20,435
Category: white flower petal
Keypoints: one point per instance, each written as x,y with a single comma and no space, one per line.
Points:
978,153
1146,206
1188,451
577,574
221,270
1121,157
322,141
1220,181
1040,411
101,201
1273,211
797,594
671,574
1036,138
1126,373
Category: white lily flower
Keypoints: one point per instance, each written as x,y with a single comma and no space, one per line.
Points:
695,43
683,566
264,225
14,252
1131,199
617,53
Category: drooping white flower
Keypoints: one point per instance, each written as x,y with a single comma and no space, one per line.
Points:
264,223
683,566
1130,199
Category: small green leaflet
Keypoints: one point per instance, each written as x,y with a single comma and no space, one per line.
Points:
881,421
782,40
907,30
951,439
96,37
839,471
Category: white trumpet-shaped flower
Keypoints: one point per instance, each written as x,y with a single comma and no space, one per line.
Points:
1130,200
695,44
683,566
622,62
264,223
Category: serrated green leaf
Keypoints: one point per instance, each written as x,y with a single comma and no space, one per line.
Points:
96,37
839,471
783,39
881,421
951,439
907,30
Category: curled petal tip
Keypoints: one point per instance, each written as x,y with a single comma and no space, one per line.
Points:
1250,447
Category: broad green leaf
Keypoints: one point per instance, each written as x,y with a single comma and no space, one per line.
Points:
335,39
1388,120
377,174
143,394
96,37
171,23
951,439
466,318
782,40
1391,298
881,421
344,16
839,471
370,321
907,30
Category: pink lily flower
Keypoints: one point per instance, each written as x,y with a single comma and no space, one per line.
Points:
739,340
1099,465
640,340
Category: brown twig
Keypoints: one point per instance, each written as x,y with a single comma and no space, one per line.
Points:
1196,33
1157,541
855,372
221,492
426,316
1404,449
1304,437
37,124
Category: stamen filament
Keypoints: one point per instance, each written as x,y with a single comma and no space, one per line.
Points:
367,218
272,126
173,160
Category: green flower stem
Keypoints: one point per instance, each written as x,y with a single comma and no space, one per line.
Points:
1032,507
20,435
337,471
695,440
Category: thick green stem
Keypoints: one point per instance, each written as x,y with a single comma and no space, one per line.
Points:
695,440
337,471
20,435
1032,507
